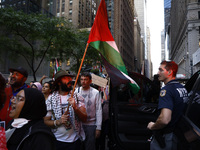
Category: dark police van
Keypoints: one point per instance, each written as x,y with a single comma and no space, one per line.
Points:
130,115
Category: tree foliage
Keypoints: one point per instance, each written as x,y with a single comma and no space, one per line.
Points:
92,55
36,37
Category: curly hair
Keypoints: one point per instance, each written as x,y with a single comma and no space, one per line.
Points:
2,91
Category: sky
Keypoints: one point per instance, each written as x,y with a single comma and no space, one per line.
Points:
155,21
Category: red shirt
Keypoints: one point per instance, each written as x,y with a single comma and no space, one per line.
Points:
4,113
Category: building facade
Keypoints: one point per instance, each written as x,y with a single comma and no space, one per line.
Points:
80,13
163,54
149,63
141,9
28,6
138,46
167,7
123,31
185,35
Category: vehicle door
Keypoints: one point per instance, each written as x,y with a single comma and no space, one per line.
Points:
130,114
189,127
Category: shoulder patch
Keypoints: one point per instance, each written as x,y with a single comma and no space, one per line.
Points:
162,93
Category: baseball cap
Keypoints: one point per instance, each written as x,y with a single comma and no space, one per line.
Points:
20,70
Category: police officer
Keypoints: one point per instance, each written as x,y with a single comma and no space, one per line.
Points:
172,102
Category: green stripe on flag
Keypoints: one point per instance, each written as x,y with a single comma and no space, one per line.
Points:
110,54
134,87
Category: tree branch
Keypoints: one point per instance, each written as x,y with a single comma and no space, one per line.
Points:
44,54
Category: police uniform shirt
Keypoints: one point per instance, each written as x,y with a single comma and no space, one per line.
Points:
174,97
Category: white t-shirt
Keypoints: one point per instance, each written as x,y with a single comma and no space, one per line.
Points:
93,106
61,133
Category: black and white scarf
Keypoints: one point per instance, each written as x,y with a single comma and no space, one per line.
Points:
54,104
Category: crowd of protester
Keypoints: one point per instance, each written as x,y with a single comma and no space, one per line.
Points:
49,115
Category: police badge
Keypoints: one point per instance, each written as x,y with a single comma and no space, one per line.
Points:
162,93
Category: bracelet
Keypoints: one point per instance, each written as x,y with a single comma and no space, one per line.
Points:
55,123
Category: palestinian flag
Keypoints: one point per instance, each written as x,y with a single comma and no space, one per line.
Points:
57,68
101,39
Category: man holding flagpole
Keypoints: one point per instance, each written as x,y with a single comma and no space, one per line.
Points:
65,113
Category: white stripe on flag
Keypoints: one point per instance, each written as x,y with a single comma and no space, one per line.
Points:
131,80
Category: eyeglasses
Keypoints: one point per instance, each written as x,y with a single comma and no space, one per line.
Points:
17,98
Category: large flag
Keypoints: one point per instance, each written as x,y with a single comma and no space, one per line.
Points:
101,39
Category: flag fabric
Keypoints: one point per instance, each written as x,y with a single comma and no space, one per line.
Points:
57,68
101,39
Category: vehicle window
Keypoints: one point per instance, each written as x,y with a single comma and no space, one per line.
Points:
149,92
182,81
193,110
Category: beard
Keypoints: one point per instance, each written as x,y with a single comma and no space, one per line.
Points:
16,83
66,87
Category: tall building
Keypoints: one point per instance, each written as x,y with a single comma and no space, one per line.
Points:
121,21
48,5
185,36
28,6
167,7
80,12
165,33
163,56
138,46
140,6
149,63
141,9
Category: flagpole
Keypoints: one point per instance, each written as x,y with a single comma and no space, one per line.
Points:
78,75
79,70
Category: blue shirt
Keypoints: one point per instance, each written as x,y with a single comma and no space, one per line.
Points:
173,96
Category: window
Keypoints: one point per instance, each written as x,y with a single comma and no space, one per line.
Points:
70,2
70,11
199,29
63,8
